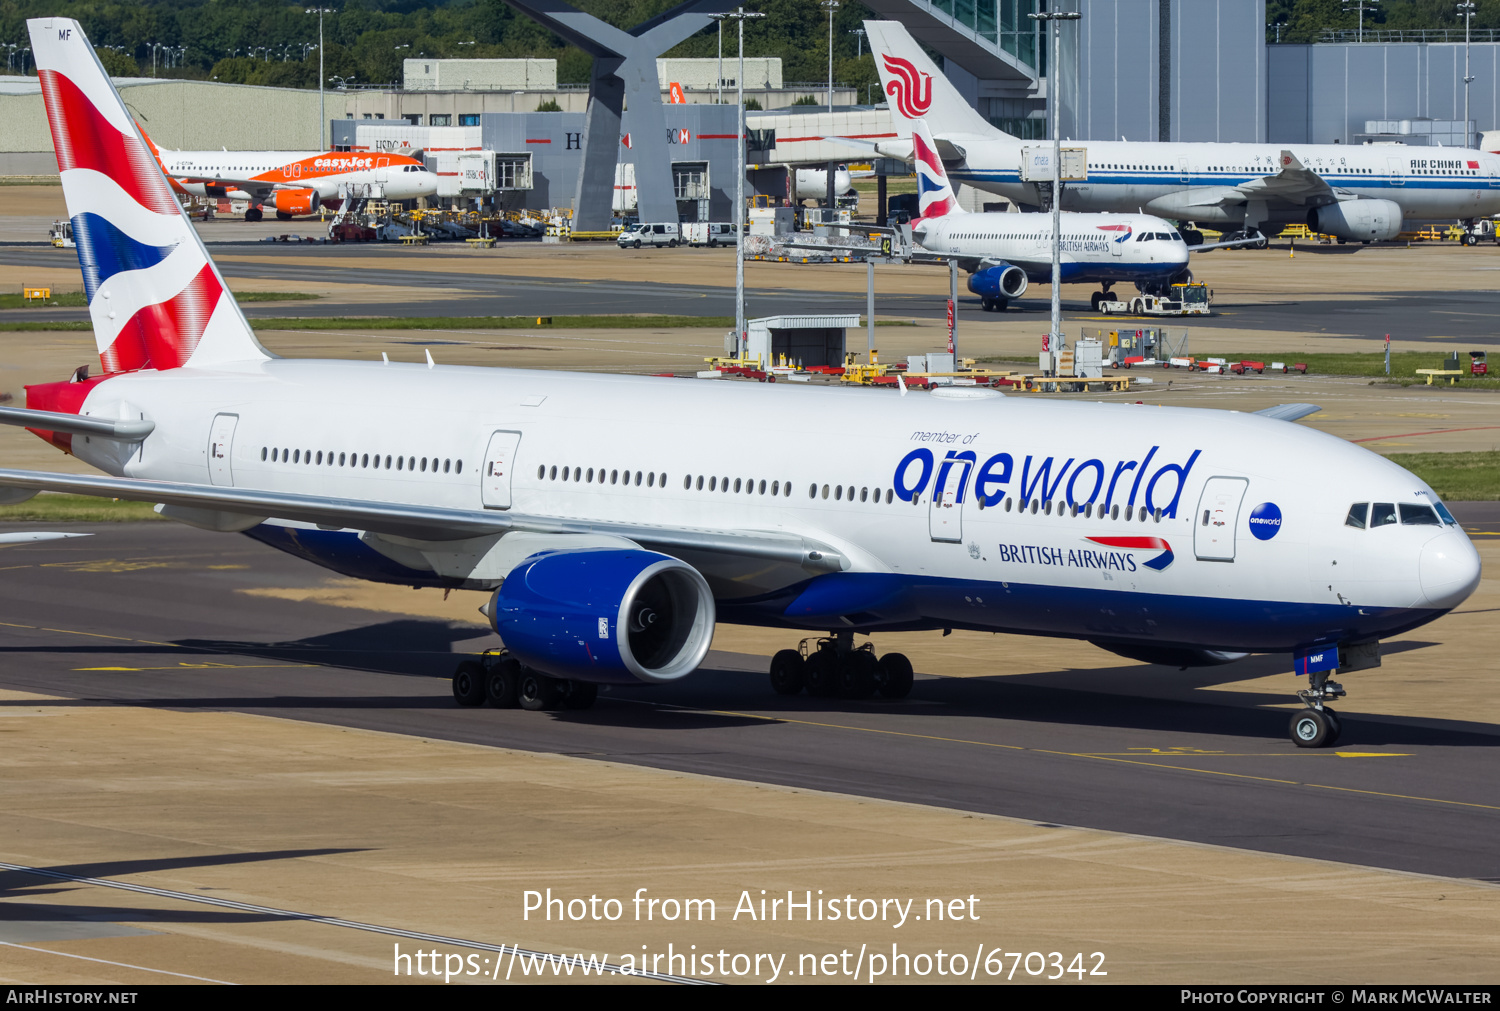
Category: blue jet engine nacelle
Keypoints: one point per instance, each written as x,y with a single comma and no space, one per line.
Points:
611,616
1003,280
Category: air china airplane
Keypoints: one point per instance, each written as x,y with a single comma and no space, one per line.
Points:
294,182
613,534
1004,252
1353,192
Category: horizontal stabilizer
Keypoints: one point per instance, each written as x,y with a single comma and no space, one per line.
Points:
77,424
1289,412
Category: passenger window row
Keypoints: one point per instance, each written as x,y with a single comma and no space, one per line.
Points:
748,485
308,458
578,475
1384,514
1086,509
840,493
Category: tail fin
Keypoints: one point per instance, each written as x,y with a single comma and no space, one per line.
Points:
917,89
156,299
935,196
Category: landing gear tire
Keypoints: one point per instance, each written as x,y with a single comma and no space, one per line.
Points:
283,216
468,684
501,682
995,304
895,678
858,670
580,694
821,670
787,674
537,692
1312,728
253,214
1335,729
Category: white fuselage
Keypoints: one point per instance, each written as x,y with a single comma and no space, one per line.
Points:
1093,247
965,507
1183,181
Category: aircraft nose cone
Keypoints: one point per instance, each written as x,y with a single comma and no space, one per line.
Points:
1448,569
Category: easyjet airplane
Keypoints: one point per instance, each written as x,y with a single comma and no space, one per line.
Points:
294,182
612,530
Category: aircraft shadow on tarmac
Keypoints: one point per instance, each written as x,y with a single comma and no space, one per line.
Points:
1169,700
16,886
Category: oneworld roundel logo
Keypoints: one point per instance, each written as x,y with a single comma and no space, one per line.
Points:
1265,521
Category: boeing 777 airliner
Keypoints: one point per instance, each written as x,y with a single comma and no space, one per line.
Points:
614,531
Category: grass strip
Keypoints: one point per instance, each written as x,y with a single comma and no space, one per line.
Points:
1457,477
54,508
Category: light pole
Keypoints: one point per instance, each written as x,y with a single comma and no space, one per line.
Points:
719,93
322,109
859,43
1361,6
741,338
830,6
1466,11
1054,89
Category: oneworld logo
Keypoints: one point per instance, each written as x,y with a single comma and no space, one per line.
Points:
1265,521
911,88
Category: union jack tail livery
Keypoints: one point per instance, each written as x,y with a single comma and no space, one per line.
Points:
156,299
935,196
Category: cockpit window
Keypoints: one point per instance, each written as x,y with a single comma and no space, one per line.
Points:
1357,514
1164,236
1418,515
1177,236
1383,514
1442,511
1143,237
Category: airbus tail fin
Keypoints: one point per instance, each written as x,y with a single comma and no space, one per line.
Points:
156,299
935,196
917,90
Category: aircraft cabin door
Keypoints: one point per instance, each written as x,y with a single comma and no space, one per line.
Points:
1397,168
495,470
1184,172
1217,518
945,515
220,446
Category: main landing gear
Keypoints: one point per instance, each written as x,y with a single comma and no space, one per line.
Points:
504,682
834,668
1318,726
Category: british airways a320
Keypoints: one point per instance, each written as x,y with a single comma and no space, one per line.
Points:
613,535
1004,253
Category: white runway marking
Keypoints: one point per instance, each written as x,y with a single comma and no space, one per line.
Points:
123,965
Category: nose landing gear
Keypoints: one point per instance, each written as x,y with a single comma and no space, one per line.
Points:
1318,726
835,668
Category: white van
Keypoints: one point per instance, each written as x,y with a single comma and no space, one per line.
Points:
645,234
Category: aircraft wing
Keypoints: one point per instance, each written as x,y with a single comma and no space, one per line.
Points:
1288,412
1294,182
248,185
430,523
898,149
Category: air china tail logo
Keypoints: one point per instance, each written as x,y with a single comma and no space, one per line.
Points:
1158,563
911,89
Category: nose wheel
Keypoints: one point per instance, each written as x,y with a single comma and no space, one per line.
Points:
1318,726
